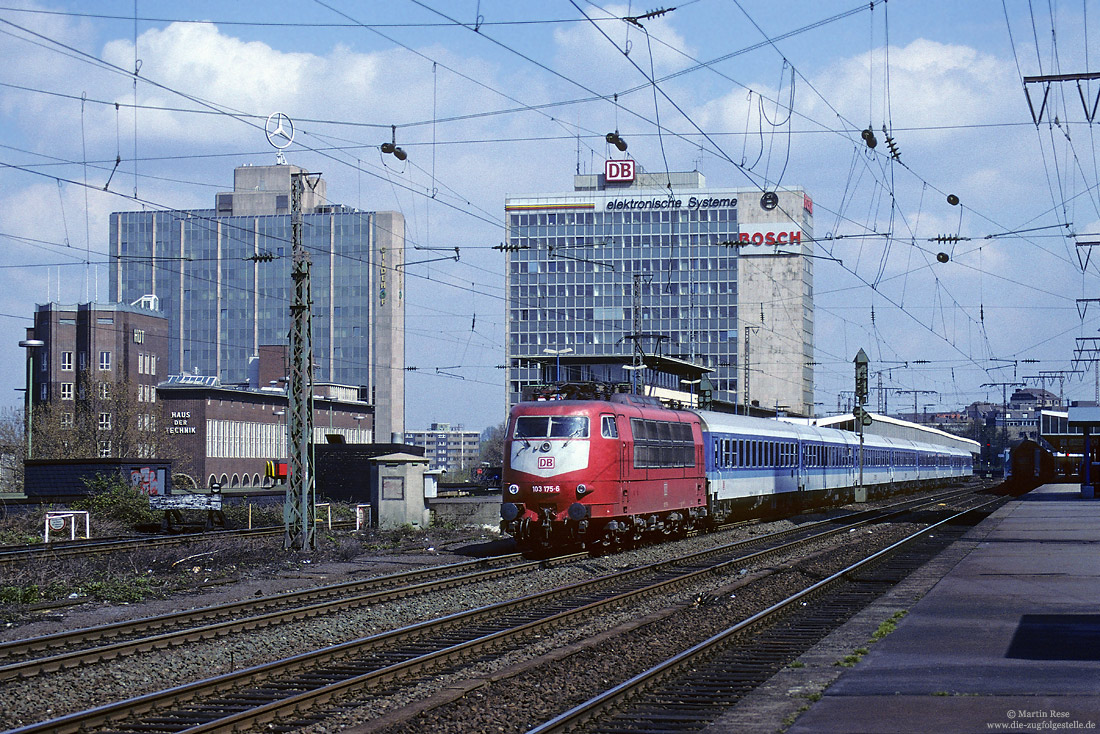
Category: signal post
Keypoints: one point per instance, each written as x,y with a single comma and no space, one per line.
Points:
863,418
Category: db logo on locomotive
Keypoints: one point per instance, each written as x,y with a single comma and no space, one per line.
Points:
546,462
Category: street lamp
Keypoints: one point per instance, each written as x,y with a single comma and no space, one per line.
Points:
558,353
29,344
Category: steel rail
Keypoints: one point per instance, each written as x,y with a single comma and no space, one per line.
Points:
30,645
395,586
30,667
615,696
62,549
467,622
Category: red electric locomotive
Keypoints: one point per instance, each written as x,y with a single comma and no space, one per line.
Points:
601,471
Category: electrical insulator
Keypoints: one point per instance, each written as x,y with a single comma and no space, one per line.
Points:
952,200
868,136
943,257
615,140
395,151
893,148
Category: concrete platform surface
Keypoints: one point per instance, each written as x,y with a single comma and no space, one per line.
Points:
1008,640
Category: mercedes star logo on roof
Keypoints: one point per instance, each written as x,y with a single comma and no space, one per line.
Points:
280,130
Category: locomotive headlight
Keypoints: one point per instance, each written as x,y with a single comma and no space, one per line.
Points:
581,490
513,489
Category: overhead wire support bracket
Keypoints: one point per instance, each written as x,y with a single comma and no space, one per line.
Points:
1088,253
454,257
554,256
1048,79
1082,311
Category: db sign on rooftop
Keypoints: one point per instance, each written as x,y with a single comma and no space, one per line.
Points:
618,170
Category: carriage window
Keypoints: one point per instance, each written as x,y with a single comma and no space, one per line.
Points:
608,429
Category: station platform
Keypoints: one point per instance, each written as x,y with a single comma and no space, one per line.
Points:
1008,639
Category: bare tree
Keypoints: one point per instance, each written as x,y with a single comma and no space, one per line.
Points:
492,448
105,420
12,450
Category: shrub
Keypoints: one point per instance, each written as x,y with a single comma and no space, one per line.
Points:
110,497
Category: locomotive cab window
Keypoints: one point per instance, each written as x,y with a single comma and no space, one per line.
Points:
551,426
608,429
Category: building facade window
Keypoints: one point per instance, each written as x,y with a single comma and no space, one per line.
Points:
104,421
104,449
67,420
104,360
104,391
66,391
66,361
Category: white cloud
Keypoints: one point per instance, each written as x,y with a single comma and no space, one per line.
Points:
581,48
930,83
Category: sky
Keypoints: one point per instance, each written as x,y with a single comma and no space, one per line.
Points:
493,99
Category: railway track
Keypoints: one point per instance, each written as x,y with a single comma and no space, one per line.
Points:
693,688
72,548
280,690
38,655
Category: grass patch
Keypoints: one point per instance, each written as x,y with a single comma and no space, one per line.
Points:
888,626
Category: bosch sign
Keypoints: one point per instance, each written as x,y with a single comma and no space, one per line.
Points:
770,238
622,171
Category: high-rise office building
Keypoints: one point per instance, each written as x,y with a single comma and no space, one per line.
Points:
660,263
222,278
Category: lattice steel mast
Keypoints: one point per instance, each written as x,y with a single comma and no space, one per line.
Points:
299,511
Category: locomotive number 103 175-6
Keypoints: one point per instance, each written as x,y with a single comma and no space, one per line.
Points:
545,488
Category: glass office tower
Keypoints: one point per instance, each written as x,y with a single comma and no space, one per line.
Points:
222,277
678,270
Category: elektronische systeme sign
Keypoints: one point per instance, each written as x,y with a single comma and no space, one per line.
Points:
692,203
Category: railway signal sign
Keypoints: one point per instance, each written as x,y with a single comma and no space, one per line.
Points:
861,376
862,416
